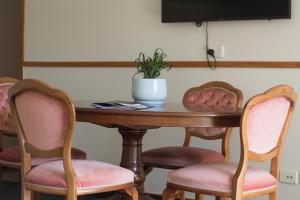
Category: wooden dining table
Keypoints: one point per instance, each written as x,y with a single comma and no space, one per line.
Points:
133,124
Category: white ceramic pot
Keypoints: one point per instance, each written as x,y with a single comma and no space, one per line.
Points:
149,91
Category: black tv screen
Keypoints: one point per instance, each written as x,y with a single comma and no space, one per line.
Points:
216,10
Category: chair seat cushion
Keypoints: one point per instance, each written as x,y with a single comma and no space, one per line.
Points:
218,177
12,156
89,174
177,157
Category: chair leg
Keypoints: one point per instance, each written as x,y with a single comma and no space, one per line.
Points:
199,196
133,193
179,195
169,194
1,184
236,198
222,198
273,196
26,194
35,196
237,195
20,176
71,196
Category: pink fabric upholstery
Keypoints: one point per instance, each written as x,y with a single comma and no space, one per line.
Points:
209,97
218,177
178,157
6,122
44,119
89,174
265,122
12,155
207,131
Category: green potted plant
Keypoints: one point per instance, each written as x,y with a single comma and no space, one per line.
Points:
149,88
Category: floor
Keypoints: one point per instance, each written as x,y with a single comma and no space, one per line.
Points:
11,191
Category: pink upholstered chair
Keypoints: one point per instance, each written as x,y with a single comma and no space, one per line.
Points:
264,123
215,93
45,119
10,157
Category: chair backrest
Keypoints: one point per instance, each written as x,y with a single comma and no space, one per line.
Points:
211,94
264,123
45,118
6,123
265,120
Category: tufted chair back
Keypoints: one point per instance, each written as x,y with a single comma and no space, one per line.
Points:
207,96
6,122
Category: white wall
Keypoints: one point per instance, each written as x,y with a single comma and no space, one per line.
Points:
250,40
64,30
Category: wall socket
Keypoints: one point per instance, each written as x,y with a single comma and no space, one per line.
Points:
219,50
287,176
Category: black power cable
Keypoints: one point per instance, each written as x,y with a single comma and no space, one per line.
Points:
210,53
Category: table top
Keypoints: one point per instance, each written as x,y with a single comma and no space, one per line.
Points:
167,115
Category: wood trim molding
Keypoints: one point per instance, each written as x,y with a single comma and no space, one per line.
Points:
190,64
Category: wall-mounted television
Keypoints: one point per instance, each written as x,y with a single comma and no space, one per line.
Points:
217,10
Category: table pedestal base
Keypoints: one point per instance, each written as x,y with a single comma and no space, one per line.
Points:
132,155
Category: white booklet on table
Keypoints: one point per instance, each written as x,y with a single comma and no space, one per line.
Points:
120,105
